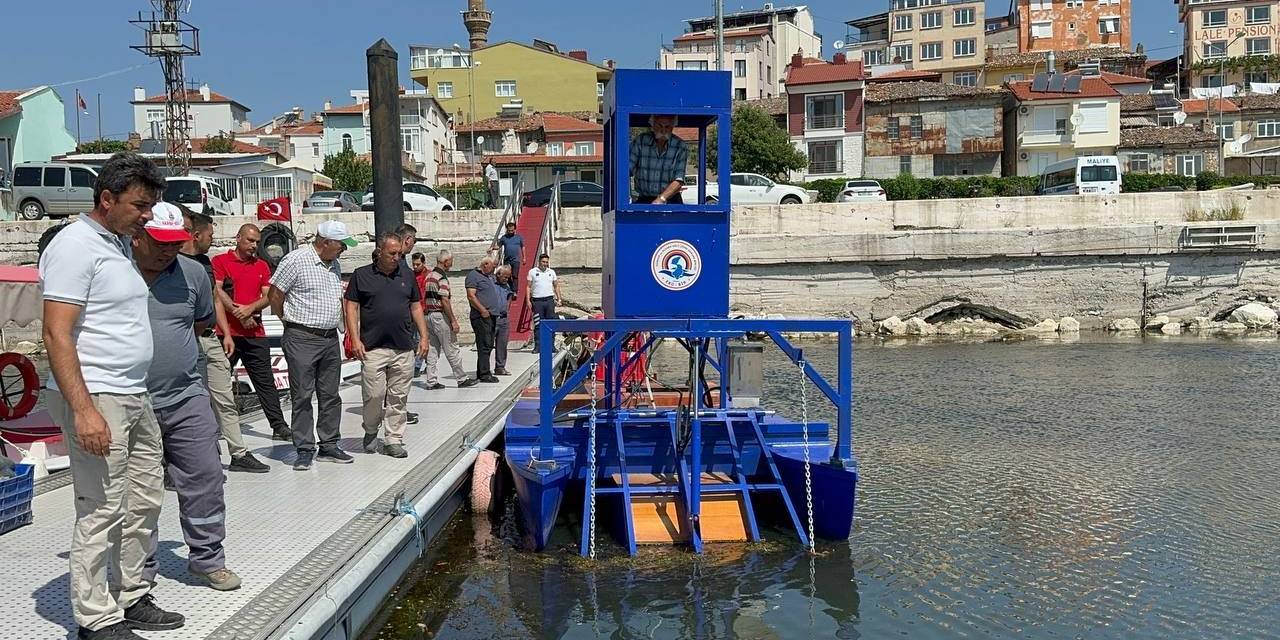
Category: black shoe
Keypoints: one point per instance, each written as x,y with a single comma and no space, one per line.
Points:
117,631
304,460
469,382
145,615
247,463
285,436
435,386
411,417
501,371
395,451
334,454
489,379
369,443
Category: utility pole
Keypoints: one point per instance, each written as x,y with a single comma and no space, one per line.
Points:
719,35
170,39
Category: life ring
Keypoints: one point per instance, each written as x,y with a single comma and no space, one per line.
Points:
26,397
484,481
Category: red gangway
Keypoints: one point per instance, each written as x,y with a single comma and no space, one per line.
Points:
530,225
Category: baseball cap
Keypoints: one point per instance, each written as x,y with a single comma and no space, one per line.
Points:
335,230
166,224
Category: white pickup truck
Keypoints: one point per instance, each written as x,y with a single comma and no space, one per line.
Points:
749,188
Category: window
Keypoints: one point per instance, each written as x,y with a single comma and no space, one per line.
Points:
824,111
893,128
315,149
1251,77
904,165
691,65
599,89
739,68
504,88
584,148
555,148
1269,128
1165,121
962,17
902,22
417,58
82,177
965,78
1041,29
411,140
1071,26
825,157
931,20
448,60
1191,164
740,93
1214,49
931,51
26,177
444,89
1226,130
1257,15
1049,121
902,52
872,56
1213,18
1041,4
1212,81
1013,77
1139,163
1108,25
1093,117
346,142
1257,46
966,47
155,115
917,127
55,177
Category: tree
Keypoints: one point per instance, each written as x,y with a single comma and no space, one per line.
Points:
348,172
222,143
759,145
103,146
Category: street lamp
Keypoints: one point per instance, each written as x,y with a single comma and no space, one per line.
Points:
1222,89
1177,80
471,93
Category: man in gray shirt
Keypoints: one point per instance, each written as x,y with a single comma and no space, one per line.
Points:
180,307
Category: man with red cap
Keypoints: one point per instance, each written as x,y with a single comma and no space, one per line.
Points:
180,307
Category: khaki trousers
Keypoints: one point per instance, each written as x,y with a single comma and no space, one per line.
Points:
117,500
385,384
217,379
440,337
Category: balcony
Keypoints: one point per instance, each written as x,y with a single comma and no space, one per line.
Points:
831,121
825,167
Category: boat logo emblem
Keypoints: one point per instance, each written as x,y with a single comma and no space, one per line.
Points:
676,265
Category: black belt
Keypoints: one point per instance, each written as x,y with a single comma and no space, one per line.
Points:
208,333
543,298
323,333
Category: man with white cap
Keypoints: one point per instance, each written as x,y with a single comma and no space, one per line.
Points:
306,294
180,307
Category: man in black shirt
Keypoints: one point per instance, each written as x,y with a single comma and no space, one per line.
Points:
382,308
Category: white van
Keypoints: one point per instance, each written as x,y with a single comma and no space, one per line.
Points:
1081,175
200,194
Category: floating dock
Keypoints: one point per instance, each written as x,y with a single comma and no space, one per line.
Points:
318,550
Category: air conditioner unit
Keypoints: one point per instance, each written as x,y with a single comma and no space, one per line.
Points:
1023,156
1023,110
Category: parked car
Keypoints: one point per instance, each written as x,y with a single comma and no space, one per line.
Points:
862,191
53,189
573,193
750,188
330,202
199,193
417,197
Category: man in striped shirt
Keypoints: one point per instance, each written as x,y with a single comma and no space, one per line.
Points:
442,325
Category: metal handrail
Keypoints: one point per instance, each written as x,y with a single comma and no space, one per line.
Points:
510,212
551,223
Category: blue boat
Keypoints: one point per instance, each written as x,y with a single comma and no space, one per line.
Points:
693,464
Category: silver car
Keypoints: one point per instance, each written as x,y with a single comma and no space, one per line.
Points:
53,189
330,202
862,191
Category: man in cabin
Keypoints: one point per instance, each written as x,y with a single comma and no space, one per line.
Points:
215,365
180,307
512,245
306,294
98,336
542,294
247,279
383,309
658,162
442,325
486,303
505,281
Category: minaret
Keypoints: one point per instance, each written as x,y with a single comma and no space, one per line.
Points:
477,20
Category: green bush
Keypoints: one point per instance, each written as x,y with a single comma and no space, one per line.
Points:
828,189
1207,180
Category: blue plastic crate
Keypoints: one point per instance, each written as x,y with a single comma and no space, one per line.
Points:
15,499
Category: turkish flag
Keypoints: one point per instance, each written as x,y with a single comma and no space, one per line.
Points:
275,209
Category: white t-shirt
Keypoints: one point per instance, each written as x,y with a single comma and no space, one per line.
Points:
88,266
542,283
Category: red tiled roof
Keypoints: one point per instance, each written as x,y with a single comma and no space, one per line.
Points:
906,74
238,146
558,122
1089,88
1121,79
193,95
9,102
821,73
348,108
506,159
1208,105
710,35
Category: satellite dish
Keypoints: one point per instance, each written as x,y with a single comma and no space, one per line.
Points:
532,147
1246,138
479,139
1179,116
1077,119
838,44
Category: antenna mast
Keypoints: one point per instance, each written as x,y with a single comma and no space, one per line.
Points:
170,39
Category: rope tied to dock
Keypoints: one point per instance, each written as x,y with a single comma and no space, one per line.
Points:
403,507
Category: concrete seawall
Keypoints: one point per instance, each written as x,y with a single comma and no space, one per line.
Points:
1091,257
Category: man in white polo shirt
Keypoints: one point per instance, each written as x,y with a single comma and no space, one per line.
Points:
98,336
542,294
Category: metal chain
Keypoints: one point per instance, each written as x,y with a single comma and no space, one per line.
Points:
808,475
591,462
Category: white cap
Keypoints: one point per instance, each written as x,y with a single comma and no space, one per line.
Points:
166,224
335,230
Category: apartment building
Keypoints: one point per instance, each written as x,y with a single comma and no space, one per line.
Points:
947,36
1219,37
824,115
1045,124
426,137
1056,25
210,112
757,46
930,129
